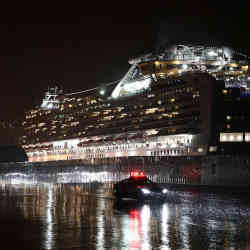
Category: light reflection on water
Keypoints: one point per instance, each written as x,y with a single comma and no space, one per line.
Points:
86,216
60,177
49,237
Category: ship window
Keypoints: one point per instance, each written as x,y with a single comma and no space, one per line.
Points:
200,150
108,117
247,137
224,91
212,149
41,124
120,109
93,101
151,111
231,137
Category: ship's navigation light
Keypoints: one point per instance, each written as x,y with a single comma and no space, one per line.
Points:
137,174
102,91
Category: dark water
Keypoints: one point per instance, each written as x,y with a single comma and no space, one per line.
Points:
40,215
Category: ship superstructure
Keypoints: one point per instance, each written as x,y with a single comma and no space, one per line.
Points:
221,62
52,98
184,101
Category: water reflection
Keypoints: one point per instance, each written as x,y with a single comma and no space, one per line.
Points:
164,226
49,237
86,216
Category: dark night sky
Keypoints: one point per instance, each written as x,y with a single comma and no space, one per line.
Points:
82,46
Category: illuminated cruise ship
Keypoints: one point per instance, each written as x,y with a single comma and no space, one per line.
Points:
182,106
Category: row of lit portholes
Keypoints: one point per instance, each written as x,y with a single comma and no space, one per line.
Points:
168,152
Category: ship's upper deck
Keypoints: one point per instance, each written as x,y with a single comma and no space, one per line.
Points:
223,63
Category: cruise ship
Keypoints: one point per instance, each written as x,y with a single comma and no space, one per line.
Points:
182,111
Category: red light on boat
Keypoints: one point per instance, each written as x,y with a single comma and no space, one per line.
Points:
134,214
136,174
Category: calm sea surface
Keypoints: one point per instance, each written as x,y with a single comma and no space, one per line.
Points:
45,215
